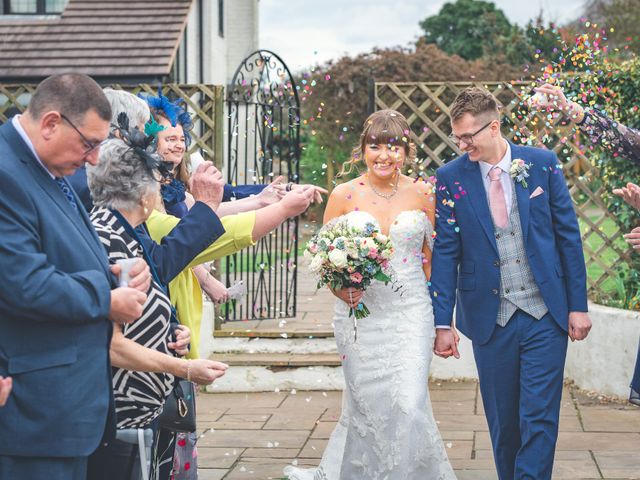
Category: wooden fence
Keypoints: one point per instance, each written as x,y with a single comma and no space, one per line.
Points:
426,106
205,103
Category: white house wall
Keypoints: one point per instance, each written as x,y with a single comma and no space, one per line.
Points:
222,54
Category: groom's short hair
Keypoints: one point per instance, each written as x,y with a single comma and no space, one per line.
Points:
477,102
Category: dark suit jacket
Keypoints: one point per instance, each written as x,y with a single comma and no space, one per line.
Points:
198,229
55,297
465,266
241,191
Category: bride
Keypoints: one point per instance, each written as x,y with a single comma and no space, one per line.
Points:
386,430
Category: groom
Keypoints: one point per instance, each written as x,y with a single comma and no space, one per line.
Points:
508,255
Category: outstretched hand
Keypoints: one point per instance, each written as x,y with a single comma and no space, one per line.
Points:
446,343
630,194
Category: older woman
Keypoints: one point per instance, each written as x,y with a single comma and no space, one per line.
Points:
124,186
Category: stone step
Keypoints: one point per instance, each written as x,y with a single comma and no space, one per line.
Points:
277,345
277,360
260,333
269,372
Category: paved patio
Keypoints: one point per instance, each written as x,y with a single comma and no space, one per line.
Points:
253,436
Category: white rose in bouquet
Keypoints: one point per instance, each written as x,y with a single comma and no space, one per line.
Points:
316,264
338,258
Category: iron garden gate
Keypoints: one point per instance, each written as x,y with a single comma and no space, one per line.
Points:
264,142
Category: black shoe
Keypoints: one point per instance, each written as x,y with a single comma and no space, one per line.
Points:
634,397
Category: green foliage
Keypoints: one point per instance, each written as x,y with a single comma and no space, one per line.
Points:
623,16
336,104
615,92
468,28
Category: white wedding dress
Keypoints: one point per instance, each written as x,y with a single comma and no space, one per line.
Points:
387,430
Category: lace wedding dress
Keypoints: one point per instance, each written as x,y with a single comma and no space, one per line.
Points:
387,430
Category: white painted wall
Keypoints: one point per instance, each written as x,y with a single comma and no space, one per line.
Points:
602,363
221,55
241,32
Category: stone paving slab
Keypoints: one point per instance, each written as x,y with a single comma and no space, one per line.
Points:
253,436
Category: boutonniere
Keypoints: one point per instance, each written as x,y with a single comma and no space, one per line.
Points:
519,171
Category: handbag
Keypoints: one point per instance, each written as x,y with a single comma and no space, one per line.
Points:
179,410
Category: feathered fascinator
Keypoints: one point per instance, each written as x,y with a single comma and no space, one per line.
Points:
174,111
144,146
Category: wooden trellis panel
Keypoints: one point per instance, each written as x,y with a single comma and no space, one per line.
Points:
426,106
204,102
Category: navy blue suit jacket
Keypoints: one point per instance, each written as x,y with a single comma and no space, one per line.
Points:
465,267
198,229
54,303
241,191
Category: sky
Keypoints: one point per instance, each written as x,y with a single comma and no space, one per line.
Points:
305,32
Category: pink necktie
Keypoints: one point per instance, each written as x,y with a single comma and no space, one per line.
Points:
496,198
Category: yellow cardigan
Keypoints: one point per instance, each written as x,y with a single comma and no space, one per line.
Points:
184,289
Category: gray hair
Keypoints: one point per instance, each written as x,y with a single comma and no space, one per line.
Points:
120,179
136,108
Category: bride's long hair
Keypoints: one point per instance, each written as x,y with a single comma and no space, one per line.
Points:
384,126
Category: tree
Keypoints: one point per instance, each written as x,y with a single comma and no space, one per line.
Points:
621,15
468,28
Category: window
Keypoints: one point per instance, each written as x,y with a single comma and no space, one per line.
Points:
34,7
221,18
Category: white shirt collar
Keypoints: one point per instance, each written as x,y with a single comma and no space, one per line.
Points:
16,124
504,164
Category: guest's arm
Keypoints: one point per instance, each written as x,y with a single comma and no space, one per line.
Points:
129,355
273,192
601,130
198,229
241,230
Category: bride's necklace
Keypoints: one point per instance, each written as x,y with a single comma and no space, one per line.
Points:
382,194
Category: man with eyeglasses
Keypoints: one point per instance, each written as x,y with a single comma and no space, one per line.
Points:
58,294
508,256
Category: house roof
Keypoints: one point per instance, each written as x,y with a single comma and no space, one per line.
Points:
101,38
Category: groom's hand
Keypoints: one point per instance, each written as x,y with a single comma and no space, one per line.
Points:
579,325
446,343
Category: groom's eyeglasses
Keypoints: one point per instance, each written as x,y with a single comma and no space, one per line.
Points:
468,137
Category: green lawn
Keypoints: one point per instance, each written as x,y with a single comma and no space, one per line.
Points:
608,256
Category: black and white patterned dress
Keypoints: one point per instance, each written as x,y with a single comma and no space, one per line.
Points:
139,396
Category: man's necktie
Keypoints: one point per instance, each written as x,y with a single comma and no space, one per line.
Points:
496,198
67,192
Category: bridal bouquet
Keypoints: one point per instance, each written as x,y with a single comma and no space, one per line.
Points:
343,256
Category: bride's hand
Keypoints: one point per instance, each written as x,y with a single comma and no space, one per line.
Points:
351,296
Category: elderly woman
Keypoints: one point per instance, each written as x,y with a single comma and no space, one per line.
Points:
124,186
621,141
